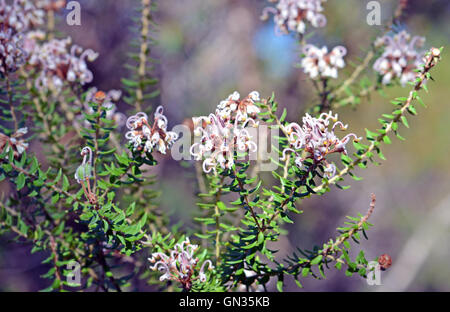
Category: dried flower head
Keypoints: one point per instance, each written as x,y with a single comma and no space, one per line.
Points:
180,265
107,100
316,140
319,63
99,97
294,15
15,142
385,261
145,137
57,64
224,133
400,57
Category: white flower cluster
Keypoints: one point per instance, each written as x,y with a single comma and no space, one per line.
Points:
234,108
293,15
145,137
21,15
223,133
319,63
12,55
15,19
317,141
31,41
400,58
57,64
180,264
15,142
107,100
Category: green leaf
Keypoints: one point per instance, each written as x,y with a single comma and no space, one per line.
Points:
260,238
405,121
280,286
346,244
130,83
305,272
20,181
66,183
316,260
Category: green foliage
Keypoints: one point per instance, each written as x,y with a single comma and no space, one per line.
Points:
140,86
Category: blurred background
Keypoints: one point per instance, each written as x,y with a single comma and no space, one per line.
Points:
209,48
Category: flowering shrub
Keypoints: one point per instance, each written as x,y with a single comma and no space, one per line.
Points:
91,201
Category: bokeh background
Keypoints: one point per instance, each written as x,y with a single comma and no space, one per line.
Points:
209,48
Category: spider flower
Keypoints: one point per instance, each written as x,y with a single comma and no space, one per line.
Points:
319,63
15,142
31,42
12,55
225,132
180,264
20,15
294,15
145,137
400,57
58,62
234,108
317,139
16,19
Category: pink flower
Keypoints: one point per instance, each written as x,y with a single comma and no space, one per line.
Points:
400,58
293,15
316,139
319,63
145,137
223,133
58,63
15,142
180,265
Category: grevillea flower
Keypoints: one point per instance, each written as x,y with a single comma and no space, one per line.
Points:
31,41
400,58
15,142
145,137
225,132
293,15
319,63
106,101
234,108
180,265
20,16
58,62
316,140
12,55
15,20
